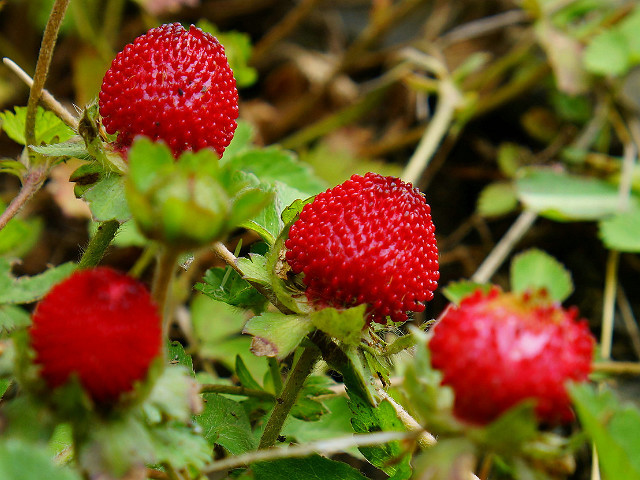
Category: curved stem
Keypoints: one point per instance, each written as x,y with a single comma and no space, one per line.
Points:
165,269
274,368
42,67
30,185
98,244
235,390
288,397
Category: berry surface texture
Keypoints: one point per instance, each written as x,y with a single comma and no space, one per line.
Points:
368,241
99,325
498,349
174,85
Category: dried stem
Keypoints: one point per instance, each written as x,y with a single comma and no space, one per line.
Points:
620,368
506,244
30,185
42,67
425,439
629,319
48,100
609,304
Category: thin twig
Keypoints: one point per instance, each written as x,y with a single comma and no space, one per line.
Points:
322,447
500,252
621,368
30,186
48,100
42,67
425,439
483,26
609,304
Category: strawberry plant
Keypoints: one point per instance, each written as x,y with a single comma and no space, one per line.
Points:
229,308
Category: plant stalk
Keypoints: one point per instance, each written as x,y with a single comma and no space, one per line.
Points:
98,244
30,186
236,390
42,67
165,269
274,368
288,396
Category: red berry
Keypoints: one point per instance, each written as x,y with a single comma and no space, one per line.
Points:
498,349
174,85
100,325
367,241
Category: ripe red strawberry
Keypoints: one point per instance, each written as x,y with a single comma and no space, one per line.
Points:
367,241
498,349
100,325
174,85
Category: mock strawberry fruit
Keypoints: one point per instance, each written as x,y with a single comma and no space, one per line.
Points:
497,349
99,325
367,241
174,85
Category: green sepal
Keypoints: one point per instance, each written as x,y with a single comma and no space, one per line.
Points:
534,270
345,325
457,290
276,334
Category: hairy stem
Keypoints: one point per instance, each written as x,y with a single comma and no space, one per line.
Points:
274,368
235,390
42,67
165,269
30,185
98,244
288,396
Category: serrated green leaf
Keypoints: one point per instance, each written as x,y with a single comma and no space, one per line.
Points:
254,268
613,428
226,285
107,199
390,458
314,467
345,325
29,289
273,165
608,54
563,197
456,291
535,269
12,317
621,231
179,446
225,422
49,128
308,409
497,199
276,334
74,147
26,461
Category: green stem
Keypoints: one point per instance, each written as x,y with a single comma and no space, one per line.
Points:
98,244
165,269
143,261
235,390
288,397
42,67
274,368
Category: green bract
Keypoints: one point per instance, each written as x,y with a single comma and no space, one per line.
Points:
189,202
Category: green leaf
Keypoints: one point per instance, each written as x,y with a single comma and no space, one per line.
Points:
276,334
26,461
314,467
241,141
608,54
391,458
29,289
107,199
179,446
225,422
563,197
74,147
613,428
177,356
49,128
19,235
226,285
345,325
450,458
245,377
336,422
621,231
510,431
254,268
535,269
12,317
273,165
173,395
456,291
308,409
497,199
